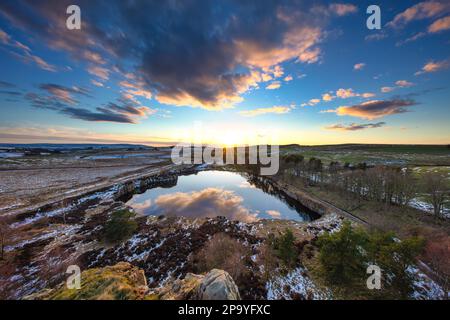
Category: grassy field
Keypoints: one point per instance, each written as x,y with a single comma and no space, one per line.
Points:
400,155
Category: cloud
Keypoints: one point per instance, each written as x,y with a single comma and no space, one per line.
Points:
346,93
190,53
375,36
342,9
311,102
24,53
433,66
355,126
58,134
63,93
210,202
274,85
398,84
100,72
422,10
260,111
5,84
274,214
328,111
60,98
93,57
327,97
97,83
367,95
376,108
288,78
136,89
103,115
404,83
387,89
440,25
359,66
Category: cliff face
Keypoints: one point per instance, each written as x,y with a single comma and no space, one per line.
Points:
123,281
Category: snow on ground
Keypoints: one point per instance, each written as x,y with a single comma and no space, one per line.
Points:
424,287
295,284
58,231
103,195
427,207
10,155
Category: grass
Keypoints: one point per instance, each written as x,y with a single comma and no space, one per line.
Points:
376,154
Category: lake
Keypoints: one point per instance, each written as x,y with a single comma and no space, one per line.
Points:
220,193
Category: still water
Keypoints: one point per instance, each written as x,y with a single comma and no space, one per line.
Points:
220,193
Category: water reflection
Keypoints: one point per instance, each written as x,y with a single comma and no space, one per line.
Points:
218,193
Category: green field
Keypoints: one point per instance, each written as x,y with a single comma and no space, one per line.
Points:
398,155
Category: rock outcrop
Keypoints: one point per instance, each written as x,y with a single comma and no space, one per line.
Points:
119,282
123,281
215,285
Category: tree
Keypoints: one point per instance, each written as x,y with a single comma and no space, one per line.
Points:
435,185
340,255
345,255
394,257
284,248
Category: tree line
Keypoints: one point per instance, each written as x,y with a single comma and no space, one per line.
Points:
386,184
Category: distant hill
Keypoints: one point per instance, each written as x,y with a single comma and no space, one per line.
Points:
68,146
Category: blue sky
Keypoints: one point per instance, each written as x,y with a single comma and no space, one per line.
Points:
153,72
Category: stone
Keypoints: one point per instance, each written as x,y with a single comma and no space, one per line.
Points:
218,285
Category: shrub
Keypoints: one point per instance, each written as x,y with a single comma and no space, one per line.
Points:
222,252
285,249
345,255
120,226
394,257
341,255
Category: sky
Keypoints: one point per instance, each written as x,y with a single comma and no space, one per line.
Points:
224,72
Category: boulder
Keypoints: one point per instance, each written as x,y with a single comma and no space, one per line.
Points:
215,285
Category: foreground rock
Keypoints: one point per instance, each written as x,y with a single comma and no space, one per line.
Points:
119,282
123,281
215,285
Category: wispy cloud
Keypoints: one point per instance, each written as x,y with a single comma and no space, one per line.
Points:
359,66
433,66
422,10
440,25
100,72
62,99
355,126
274,85
24,53
376,108
261,111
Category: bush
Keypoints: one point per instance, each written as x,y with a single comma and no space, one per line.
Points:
284,248
394,258
222,252
120,226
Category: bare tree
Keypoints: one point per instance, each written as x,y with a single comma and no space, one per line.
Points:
435,185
